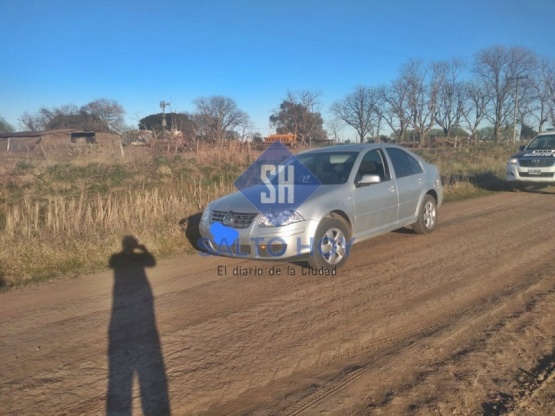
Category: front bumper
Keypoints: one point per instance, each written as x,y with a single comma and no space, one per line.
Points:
517,173
262,243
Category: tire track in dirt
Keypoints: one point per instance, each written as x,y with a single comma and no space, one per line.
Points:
481,374
508,263
404,308
355,372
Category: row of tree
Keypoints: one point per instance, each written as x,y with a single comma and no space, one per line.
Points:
103,115
501,87
218,118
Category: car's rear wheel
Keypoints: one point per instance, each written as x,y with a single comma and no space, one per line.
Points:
331,244
427,217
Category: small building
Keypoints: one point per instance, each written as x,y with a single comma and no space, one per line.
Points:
27,141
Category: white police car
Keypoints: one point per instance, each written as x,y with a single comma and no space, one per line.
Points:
535,162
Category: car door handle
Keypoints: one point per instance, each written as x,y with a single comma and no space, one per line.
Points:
392,188
420,180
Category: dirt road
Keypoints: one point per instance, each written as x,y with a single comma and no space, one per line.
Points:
458,322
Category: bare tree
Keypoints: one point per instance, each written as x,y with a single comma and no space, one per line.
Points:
216,116
500,69
393,107
421,98
359,110
31,122
541,105
5,127
110,112
98,115
334,127
549,81
475,106
450,94
299,113
244,130
45,117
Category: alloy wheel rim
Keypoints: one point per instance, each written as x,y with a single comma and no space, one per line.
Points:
333,246
429,215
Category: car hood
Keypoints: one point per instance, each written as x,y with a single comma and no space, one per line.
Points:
534,153
239,201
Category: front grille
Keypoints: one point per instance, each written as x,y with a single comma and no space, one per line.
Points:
541,175
239,220
536,163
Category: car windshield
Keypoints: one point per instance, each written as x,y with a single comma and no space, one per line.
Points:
542,142
331,168
322,168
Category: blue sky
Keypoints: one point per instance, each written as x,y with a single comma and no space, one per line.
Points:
140,52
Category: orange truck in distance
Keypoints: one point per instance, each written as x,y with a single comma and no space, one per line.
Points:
288,139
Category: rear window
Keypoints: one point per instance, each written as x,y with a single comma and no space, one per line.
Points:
403,163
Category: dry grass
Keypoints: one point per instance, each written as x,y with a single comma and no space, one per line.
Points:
60,219
471,171
65,218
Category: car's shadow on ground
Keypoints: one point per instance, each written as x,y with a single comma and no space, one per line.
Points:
488,181
299,263
190,227
537,190
404,230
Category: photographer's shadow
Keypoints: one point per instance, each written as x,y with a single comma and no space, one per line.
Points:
134,343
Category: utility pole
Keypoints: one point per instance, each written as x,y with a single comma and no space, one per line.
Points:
517,79
163,105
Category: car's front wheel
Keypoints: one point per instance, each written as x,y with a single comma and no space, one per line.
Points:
427,217
331,244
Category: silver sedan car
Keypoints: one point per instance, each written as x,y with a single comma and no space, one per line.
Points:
351,193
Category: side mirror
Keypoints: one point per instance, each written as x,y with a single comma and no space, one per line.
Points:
368,180
521,147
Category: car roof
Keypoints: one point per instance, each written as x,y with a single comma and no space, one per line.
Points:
347,148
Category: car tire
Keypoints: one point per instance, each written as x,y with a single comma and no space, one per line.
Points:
330,248
427,217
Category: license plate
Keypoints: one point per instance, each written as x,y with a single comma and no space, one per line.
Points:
534,171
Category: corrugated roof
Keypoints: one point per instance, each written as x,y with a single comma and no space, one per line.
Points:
38,133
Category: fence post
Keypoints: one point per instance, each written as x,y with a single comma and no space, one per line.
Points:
42,148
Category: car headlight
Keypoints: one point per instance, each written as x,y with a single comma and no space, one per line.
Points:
206,215
279,218
513,161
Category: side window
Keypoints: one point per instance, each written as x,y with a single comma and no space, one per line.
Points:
403,163
373,163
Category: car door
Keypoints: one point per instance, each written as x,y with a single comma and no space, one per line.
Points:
375,205
410,179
